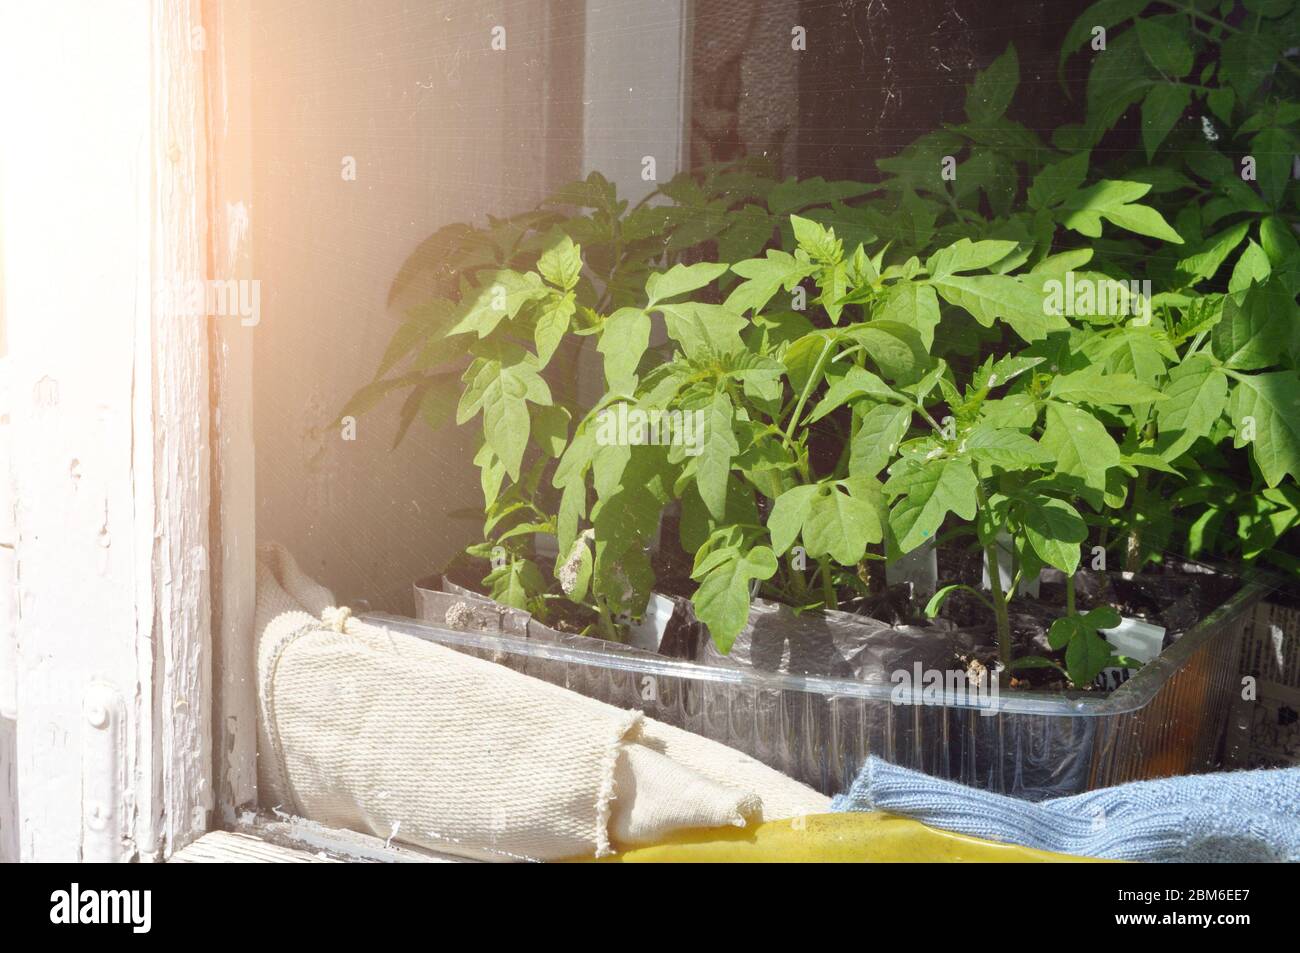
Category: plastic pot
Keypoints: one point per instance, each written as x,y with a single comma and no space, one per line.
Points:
1167,719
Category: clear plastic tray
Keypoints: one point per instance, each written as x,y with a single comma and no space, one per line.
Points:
1167,719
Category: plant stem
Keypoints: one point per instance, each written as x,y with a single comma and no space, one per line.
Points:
606,622
807,389
1133,554
1069,594
828,586
925,414
1001,617
1226,27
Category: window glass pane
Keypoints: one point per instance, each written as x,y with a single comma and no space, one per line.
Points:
678,352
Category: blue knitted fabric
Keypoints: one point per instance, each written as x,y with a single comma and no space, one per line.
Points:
1232,817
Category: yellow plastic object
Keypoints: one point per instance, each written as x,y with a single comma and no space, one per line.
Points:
835,838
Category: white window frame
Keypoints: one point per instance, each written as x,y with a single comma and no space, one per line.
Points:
130,436
103,180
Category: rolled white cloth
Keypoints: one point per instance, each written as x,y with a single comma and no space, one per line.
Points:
386,733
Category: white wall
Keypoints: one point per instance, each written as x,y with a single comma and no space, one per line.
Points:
635,92
442,128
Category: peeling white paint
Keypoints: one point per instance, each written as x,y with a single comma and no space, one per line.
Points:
109,423
232,553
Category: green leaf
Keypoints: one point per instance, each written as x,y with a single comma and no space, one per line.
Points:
595,191
371,394
552,324
1196,394
1105,14
1016,411
1144,220
1245,60
438,405
574,572
1058,181
765,277
1062,630
722,600
1008,449
989,96
1272,402
840,526
1269,9
1092,386
1080,443
561,263
1115,201
506,421
1055,530
746,233
965,255
623,341
705,331
1253,266
1166,47
713,465
915,305
1118,77
1086,655
1149,459
1211,254
1086,652
499,297
937,600
1135,351
1256,330
622,521
789,511
834,285
430,320
929,492
550,429
857,382
1273,149
817,240
1278,241
573,507
680,279
515,583
893,347
875,442
793,195
1221,101
1102,617
1162,107
1036,661
802,357
989,297
490,473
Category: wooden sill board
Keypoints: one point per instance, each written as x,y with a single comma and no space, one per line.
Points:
235,847
283,839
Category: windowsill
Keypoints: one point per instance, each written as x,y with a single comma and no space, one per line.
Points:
283,839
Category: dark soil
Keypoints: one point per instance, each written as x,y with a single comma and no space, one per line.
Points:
561,614
1173,596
